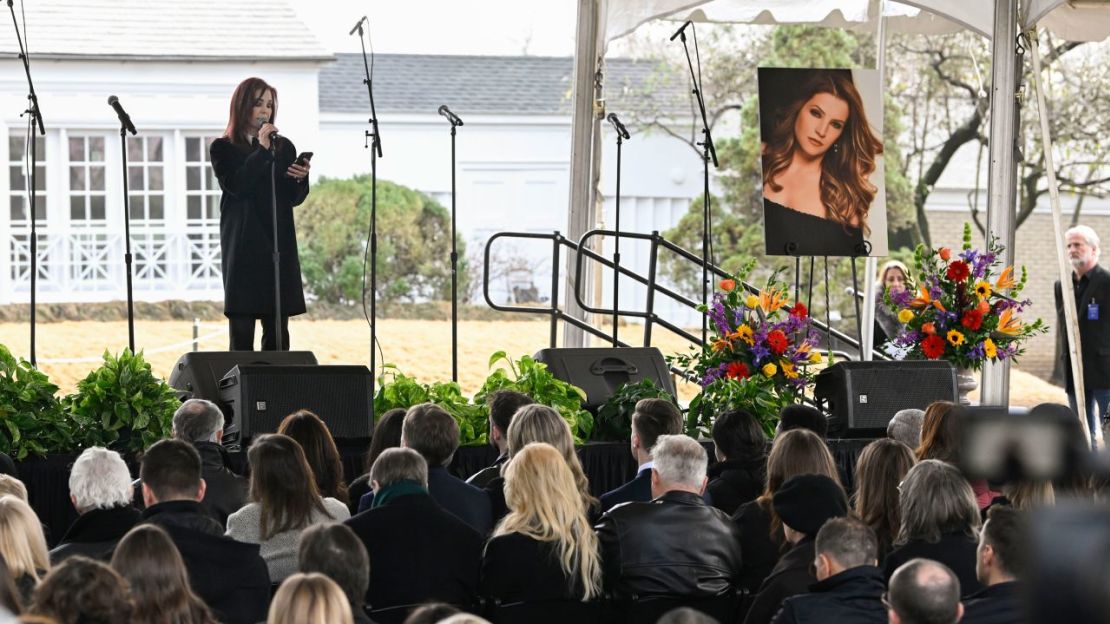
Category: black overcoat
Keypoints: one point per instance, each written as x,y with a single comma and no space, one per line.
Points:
1094,333
246,228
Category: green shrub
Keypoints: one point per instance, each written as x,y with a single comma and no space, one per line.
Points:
402,391
33,421
533,379
614,417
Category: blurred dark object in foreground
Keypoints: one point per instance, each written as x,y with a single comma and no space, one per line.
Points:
1069,578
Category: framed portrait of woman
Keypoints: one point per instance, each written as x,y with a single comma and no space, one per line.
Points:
822,160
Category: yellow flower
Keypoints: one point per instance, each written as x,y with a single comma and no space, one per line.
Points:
769,369
788,369
983,289
743,332
990,349
905,316
815,357
955,338
751,302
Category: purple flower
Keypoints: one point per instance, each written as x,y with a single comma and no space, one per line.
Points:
901,298
977,352
1007,351
761,352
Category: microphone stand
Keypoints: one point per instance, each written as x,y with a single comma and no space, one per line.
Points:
278,338
127,238
708,152
34,120
617,245
454,270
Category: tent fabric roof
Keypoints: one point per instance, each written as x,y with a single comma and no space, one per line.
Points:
529,85
161,29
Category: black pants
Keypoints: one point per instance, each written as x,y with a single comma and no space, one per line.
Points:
241,330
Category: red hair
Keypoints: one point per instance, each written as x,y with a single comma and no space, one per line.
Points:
242,103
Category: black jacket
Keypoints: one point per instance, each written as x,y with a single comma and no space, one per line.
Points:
791,576
852,597
481,478
468,503
246,228
955,550
95,533
997,604
1094,334
517,568
638,490
418,553
226,492
735,482
761,550
675,545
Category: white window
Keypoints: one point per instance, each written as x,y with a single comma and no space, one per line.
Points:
87,197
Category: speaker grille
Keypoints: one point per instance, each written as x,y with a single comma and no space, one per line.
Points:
864,396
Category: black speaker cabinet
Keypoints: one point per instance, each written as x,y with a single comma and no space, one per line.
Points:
197,374
259,397
861,397
601,371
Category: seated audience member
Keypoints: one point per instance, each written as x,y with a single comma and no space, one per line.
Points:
1000,566
643,544
761,536
879,470
230,576
22,545
319,449
464,618
686,615
741,468
10,599
802,417
387,434
284,502
940,439
432,613
336,552
849,586
10,486
81,590
147,559
1026,495
652,418
309,599
804,503
502,405
419,552
201,423
905,427
923,591
100,490
545,549
940,521
540,423
432,432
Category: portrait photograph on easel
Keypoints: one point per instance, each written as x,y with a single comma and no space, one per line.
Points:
822,157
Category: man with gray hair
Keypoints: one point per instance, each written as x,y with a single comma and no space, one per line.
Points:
100,490
644,544
201,424
1092,291
924,591
905,427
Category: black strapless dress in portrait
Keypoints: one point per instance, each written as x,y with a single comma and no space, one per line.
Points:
792,233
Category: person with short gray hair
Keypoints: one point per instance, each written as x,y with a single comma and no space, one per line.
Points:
679,461
198,420
905,427
396,465
923,591
100,490
201,423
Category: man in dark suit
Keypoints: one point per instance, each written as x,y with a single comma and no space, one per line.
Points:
231,577
432,432
502,405
652,418
1092,305
1000,566
418,551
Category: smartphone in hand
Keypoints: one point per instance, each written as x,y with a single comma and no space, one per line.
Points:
303,158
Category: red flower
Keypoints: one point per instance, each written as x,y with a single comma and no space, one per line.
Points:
727,285
777,341
958,271
972,319
799,310
932,346
738,370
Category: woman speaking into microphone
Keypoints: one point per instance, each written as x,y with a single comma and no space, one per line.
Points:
243,159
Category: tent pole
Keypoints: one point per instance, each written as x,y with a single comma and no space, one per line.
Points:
867,324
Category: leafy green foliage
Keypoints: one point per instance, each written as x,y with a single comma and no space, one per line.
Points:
533,379
32,417
614,417
402,391
122,405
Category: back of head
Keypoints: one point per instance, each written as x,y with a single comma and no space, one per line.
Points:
923,591
99,479
197,420
159,584
22,544
849,542
685,615
308,599
429,430
11,486
1007,533
539,423
387,434
171,470
935,500
503,404
905,427
738,434
336,552
803,417
282,484
431,613
799,451
319,449
399,464
806,502
9,593
879,470
680,460
654,418
464,618
939,432
82,590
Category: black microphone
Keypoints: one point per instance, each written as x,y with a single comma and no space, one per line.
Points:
618,125
124,118
452,117
358,25
274,136
679,31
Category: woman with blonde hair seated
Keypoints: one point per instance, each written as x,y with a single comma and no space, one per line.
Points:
23,545
309,599
545,548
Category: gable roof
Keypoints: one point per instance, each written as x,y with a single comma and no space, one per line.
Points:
527,85
161,30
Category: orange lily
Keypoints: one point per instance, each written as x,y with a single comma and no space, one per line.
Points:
720,345
771,300
1008,324
923,299
1006,279
938,305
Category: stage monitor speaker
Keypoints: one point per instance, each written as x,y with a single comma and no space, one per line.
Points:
259,397
861,397
197,374
601,371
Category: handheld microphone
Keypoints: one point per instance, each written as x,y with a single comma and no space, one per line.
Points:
679,31
618,126
274,136
358,25
124,118
452,117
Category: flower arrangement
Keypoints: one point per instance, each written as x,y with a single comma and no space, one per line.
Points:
964,310
757,359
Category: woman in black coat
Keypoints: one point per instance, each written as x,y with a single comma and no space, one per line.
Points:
243,159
